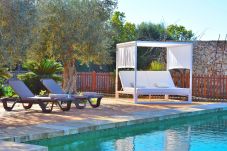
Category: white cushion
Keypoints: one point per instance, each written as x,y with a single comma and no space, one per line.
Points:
145,79
158,91
150,82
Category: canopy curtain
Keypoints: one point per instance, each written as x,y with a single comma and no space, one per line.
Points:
179,57
126,57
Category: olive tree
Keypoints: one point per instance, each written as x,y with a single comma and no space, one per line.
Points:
71,30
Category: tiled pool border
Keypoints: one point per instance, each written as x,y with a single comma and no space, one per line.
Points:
51,130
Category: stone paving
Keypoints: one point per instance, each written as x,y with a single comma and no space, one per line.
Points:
21,126
12,146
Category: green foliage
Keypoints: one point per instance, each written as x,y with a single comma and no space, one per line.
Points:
6,91
46,68
1,90
179,32
158,32
43,93
150,31
17,18
147,55
156,66
4,73
123,31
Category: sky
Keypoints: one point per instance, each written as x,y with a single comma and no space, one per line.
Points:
206,18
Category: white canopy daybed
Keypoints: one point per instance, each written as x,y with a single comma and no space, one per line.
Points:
179,55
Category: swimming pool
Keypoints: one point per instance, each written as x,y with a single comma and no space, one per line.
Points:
198,133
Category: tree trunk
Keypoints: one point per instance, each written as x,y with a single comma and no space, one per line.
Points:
69,76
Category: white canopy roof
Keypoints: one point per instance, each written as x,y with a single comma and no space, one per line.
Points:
153,44
179,54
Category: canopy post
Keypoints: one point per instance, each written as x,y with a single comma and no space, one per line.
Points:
116,84
135,96
166,97
190,87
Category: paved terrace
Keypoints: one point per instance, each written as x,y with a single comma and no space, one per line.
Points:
20,125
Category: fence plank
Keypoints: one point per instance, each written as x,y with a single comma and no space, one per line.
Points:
211,86
93,81
225,87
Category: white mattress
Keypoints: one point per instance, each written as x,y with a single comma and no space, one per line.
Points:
158,91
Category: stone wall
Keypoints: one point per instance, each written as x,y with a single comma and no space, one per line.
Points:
210,57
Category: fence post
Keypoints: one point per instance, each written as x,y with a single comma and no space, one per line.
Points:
93,81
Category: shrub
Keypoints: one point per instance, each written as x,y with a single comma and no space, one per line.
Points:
156,66
5,90
46,68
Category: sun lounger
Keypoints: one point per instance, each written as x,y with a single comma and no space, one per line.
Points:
53,87
27,98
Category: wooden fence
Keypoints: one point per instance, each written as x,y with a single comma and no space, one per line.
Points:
211,87
205,87
98,82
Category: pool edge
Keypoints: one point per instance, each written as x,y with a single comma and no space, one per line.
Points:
56,129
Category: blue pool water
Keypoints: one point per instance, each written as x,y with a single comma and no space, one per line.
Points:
198,133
